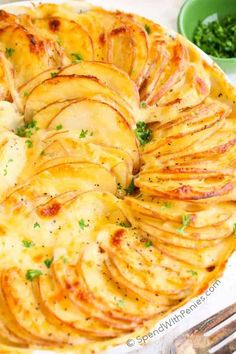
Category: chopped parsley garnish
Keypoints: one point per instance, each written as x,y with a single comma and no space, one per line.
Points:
28,129
76,57
27,243
26,93
31,274
148,244
143,133
9,52
186,219
124,224
217,38
193,273
36,225
143,104
48,262
59,127
167,205
131,188
4,172
147,28
82,224
83,134
29,143
54,74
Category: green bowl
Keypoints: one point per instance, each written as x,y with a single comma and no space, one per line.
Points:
195,11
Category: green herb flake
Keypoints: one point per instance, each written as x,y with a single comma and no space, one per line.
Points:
29,143
147,28
36,225
167,205
76,57
59,127
193,273
32,274
82,224
9,52
28,129
186,220
148,244
131,188
26,94
143,133
83,134
53,74
124,224
27,243
143,104
48,262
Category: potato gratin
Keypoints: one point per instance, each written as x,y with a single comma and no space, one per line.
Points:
117,177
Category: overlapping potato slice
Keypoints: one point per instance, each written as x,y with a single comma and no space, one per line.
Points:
29,54
112,129
75,40
34,327
67,88
169,210
28,87
130,35
110,75
59,146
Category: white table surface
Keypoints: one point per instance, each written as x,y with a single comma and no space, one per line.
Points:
165,12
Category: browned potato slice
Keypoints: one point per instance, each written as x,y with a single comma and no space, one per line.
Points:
206,258
170,233
192,189
173,70
64,313
118,39
111,76
171,147
139,39
141,275
29,54
106,293
201,215
76,41
29,316
100,123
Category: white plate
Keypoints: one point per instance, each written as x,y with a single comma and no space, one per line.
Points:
224,292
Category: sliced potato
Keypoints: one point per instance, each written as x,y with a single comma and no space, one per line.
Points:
31,55
74,39
106,293
101,124
110,75
67,88
61,311
28,87
15,288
